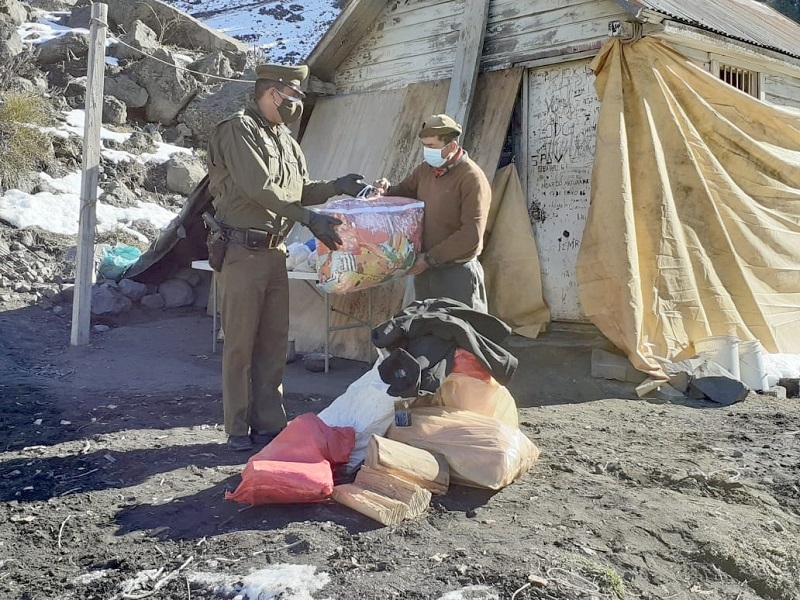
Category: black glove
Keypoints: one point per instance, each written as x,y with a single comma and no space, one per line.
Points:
323,228
350,184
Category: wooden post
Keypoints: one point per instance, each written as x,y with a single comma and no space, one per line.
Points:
469,49
82,302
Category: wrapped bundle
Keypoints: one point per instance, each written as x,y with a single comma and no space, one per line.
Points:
380,241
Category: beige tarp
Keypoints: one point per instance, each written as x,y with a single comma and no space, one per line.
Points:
511,260
694,226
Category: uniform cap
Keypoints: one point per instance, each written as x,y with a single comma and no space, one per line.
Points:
287,75
439,125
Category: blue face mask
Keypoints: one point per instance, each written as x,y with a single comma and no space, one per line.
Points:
433,157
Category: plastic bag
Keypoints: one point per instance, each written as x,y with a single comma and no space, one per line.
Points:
297,465
380,241
297,254
466,363
487,398
481,451
366,407
115,260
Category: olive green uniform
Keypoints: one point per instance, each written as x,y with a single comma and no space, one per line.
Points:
259,180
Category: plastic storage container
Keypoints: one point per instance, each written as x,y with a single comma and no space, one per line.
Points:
752,372
723,350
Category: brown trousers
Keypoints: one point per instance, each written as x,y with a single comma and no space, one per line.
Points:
253,289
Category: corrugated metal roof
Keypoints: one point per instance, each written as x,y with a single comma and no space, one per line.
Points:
745,20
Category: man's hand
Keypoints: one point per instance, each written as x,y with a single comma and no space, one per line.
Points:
324,229
351,184
419,265
382,186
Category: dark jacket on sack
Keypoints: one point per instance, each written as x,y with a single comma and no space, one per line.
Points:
422,340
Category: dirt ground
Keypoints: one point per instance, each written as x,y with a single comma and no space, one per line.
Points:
113,471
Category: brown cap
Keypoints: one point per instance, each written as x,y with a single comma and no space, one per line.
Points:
439,125
291,76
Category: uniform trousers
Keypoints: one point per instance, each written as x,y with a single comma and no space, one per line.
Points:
253,288
462,282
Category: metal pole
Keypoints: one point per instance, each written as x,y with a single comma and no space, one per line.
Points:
82,303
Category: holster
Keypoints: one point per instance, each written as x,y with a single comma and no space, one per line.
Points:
217,247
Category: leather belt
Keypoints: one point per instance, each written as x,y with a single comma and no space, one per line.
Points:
254,239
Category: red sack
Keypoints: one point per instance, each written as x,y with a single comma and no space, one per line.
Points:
297,465
466,363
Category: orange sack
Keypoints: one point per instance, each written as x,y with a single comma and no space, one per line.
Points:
297,465
380,241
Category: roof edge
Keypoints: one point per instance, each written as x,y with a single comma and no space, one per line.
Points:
341,38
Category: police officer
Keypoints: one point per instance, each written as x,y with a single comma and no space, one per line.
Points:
259,180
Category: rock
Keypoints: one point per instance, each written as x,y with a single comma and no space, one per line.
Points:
72,45
67,294
114,111
126,89
139,142
10,42
737,454
210,106
14,10
57,310
176,292
154,131
144,41
178,134
173,26
22,288
132,289
106,300
101,328
184,172
215,63
153,301
169,87
776,525
76,89
52,5
80,17
117,194
721,390
190,276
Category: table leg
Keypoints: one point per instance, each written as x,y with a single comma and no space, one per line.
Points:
327,329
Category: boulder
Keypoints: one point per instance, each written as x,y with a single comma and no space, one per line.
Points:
14,10
176,292
80,17
52,5
133,290
216,64
211,106
153,301
190,276
140,40
114,111
139,142
172,26
107,300
72,45
169,87
184,172
10,42
126,89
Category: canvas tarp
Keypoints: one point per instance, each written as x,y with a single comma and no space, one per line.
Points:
510,259
694,224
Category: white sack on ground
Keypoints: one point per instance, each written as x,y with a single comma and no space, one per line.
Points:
694,225
366,407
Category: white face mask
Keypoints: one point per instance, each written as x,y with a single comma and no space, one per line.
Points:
433,157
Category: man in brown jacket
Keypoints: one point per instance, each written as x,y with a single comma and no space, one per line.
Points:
457,196
258,177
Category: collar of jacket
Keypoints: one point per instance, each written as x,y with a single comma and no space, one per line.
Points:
459,157
252,111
